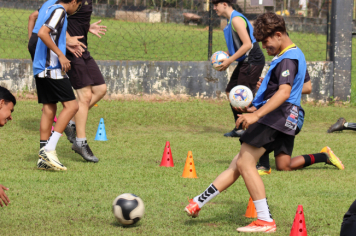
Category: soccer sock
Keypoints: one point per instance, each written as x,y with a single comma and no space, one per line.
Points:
264,160
71,123
262,210
349,126
81,141
52,141
235,113
206,196
314,158
43,143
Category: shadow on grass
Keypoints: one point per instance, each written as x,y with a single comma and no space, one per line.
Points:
32,124
234,215
117,224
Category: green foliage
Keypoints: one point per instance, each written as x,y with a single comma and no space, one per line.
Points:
78,201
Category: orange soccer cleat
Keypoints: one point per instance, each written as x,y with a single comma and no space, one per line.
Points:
192,209
259,226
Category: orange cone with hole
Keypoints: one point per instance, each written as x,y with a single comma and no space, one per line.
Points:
251,209
167,159
299,228
189,168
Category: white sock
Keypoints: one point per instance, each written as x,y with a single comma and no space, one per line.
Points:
262,210
206,196
81,141
52,141
72,123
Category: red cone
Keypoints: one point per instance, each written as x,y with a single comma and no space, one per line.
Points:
167,159
299,228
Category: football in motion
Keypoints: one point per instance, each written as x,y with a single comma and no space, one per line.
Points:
216,57
128,208
240,96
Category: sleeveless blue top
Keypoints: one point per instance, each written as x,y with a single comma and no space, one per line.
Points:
41,14
40,61
228,31
296,93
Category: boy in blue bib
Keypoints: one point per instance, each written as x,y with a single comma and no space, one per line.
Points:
271,124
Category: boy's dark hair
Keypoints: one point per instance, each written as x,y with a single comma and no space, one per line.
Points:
68,1
7,95
229,2
267,24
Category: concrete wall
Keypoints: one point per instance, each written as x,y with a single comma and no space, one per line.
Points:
196,79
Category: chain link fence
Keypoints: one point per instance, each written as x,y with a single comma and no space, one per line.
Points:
169,30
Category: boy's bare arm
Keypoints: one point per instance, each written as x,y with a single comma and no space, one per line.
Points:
31,22
43,34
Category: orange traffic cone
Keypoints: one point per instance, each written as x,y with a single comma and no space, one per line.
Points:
299,228
251,209
189,168
167,159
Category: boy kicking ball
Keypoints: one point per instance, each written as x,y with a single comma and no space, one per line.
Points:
53,86
272,125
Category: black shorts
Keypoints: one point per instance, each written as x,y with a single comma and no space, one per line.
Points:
32,43
54,90
245,74
260,135
84,71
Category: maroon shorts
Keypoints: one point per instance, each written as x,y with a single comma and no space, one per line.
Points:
245,74
84,71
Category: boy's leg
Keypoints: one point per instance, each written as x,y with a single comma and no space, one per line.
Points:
48,113
286,163
263,165
222,182
246,165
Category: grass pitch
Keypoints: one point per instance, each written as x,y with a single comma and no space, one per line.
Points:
78,201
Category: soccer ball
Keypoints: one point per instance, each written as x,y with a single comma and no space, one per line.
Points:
216,57
128,208
240,96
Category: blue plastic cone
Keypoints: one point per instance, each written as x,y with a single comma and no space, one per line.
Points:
101,133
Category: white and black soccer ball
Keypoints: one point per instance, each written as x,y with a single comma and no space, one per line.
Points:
240,96
216,57
128,208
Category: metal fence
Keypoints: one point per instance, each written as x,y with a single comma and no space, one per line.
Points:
169,30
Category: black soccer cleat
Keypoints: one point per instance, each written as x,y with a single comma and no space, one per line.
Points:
235,133
85,152
338,126
71,133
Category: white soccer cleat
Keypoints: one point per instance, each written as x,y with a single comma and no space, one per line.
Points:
51,159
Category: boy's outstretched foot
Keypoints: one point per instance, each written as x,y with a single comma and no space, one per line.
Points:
85,151
338,126
192,209
332,158
259,226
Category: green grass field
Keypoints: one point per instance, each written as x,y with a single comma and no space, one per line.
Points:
78,201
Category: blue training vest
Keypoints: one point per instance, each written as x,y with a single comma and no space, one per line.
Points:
296,93
40,19
39,62
228,31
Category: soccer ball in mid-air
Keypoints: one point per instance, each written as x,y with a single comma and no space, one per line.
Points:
216,57
240,96
128,208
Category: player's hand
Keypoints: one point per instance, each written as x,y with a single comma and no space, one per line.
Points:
76,50
65,63
246,109
97,29
3,196
224,65
259,83
73,41
246,120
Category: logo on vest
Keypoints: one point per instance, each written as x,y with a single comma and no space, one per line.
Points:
285,73
86,3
